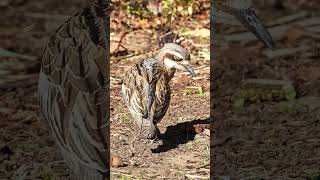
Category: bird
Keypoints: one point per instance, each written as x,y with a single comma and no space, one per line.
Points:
242,12
73,90
146,90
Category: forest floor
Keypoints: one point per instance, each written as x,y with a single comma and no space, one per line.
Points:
28,151
268,138
263,139
181,152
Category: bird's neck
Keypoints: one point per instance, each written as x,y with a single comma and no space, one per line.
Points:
169,70
96,19
170,73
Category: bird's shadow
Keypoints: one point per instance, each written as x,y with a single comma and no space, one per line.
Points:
178,134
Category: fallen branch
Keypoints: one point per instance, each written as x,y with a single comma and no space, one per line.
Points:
6,53
284,52
278,32
196,176
57,17
117,49
19,81
288,19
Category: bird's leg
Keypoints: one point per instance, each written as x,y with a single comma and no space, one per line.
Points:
156,138
134,138
136,132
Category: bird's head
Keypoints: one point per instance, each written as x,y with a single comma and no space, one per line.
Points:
244,12
175,56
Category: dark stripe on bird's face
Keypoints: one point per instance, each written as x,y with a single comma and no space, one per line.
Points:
168,56
138,69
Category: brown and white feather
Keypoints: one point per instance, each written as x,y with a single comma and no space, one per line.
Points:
146,90
149,72
74,90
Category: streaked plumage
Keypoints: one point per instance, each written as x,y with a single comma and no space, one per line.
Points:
74,90
146,89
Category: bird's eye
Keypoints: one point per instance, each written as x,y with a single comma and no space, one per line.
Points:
177,58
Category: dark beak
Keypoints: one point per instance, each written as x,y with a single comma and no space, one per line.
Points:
189,68
250,20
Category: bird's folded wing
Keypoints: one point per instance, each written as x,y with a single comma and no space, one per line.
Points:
134,92
162,100
139,87
74,72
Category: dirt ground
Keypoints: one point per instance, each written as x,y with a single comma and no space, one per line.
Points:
180,153
263,140
27,148
271,139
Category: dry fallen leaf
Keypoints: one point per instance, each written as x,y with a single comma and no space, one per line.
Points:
116,161
199,128
294,33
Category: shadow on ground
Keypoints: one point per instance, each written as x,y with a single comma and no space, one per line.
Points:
180,133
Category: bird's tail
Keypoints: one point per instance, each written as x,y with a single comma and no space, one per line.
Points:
91,174
83,172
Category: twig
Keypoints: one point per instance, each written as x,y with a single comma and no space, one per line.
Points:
18,81
120,173
202,166
277,32
6,53
57,17
119,42
284,52
196,176
288,19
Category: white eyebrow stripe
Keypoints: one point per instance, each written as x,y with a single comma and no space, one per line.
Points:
170,63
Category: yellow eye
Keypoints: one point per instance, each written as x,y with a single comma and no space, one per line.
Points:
177,58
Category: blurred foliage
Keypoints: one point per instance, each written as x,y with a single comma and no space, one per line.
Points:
137,8
168,9
174,8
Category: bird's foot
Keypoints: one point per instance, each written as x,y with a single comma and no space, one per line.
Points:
155,141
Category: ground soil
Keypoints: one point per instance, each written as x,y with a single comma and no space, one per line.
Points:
180,152
261,141
269,139
28,151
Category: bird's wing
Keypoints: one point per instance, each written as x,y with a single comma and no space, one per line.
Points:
74,88
139,86
162,99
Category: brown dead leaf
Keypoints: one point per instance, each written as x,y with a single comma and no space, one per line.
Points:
184,78
116,161
200,128
294,33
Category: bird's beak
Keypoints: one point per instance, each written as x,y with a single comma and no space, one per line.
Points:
250,20
189,68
